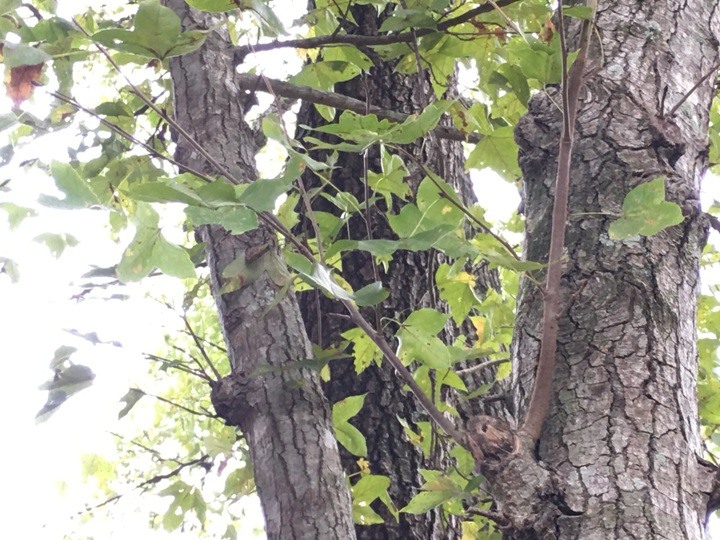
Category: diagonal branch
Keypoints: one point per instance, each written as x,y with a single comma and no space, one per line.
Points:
339,101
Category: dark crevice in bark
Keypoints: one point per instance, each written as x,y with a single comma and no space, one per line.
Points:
409,280
622,432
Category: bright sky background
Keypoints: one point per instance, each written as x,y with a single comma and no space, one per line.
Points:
41,464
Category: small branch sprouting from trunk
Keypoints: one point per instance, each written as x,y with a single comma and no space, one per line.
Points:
572,80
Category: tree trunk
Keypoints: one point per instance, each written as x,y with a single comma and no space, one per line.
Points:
282,412
622,432
410,282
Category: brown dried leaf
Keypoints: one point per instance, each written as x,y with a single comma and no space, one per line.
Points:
20,82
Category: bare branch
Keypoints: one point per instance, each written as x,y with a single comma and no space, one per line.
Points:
498,518
339,101
694,87
201,348
363,40
174,404
482,365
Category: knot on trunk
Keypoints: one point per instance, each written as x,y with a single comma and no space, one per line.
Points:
492,442
521,486
231,397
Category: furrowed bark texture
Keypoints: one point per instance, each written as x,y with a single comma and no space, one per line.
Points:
281,410
409,280
622,433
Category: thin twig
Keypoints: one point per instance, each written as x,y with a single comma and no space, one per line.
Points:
498,518
176,364
694,87
175,404
120,131
482,365
201,348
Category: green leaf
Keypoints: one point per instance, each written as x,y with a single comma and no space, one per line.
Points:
16,214
351,438
457,288
137,262
130,399
370,295
494,252
163,192
348,435
324,75
579,12
365,515
23,55
498,151
78,193
213,6
418,340
427,500
172,259
539,60
7,6
436,201
156,34
391,180
645,212
403,19
346,408
236,220
262,195
368,489
220,441
365,351
57,243
269,22
157,27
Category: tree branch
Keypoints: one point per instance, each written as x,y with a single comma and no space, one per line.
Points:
339,101
150,481
439,418
572,81
366,41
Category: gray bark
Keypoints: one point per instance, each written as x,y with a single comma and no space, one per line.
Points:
622,434
280,409
409,281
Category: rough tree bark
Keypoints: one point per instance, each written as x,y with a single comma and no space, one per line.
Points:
622,433
410,282
282,412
